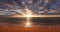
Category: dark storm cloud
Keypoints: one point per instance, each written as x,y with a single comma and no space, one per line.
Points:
3,6
6,1
35,1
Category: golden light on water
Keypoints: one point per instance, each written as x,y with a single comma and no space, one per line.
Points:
28,23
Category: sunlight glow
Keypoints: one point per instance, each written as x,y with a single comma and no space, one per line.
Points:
28,24
28,15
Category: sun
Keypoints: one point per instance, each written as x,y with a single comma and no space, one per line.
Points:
28,15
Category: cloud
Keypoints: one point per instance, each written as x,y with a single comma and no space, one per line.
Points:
33,5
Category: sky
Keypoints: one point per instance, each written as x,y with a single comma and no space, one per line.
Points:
38,7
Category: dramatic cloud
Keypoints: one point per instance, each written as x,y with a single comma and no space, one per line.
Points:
36,6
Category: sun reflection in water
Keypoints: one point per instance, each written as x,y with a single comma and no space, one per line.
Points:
28,22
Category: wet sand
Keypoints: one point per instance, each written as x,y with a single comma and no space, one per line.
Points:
32,29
